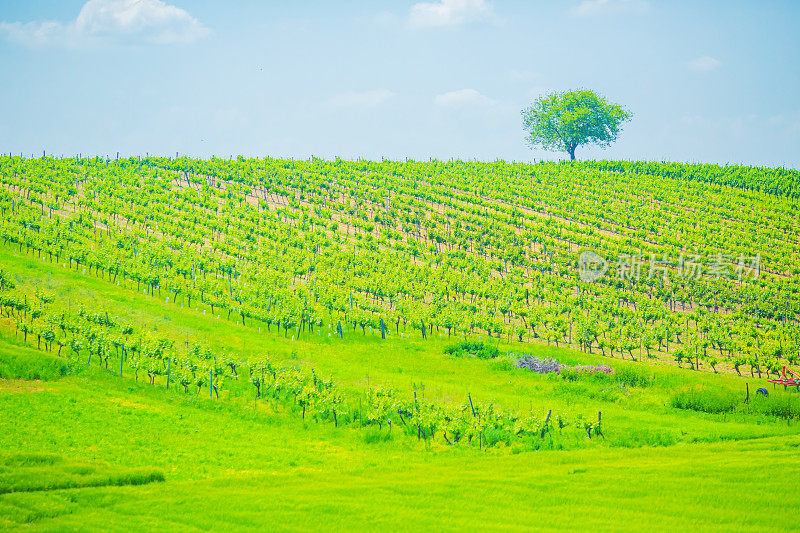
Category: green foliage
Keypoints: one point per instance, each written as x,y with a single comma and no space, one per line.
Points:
24,472
473,250
575,374
376,435
778,181
782,405
503,364
634,376
565,120
705,398
481,350
708,399
215,456
21,362
640,437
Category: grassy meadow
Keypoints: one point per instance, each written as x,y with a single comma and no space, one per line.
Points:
83,448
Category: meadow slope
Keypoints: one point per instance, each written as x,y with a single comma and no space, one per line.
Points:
248,464
302,345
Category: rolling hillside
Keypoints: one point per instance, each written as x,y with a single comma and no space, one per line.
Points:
263,343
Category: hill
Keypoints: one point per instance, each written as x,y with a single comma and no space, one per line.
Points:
352,342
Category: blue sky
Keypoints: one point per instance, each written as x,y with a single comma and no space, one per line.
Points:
705,81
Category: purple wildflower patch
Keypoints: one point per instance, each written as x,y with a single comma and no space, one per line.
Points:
589,369
540,366
548,366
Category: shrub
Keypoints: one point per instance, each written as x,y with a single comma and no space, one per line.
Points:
594,369
592,373
502,364
570,374
634,376
540,366
780,405
704,399
549,366
472,349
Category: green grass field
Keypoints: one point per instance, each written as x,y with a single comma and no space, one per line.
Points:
85,449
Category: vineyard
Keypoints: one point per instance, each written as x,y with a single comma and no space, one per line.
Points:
708,275
365,311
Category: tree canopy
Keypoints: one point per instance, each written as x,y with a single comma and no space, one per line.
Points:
566,120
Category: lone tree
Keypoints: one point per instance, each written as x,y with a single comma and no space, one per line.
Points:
566,120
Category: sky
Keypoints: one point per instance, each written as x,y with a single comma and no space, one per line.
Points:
705,81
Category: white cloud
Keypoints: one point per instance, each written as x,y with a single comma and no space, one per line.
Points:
463,97
448,13
150,21
32,33
362,99
595,7
704,63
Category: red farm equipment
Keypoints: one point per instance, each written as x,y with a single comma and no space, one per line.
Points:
792,381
